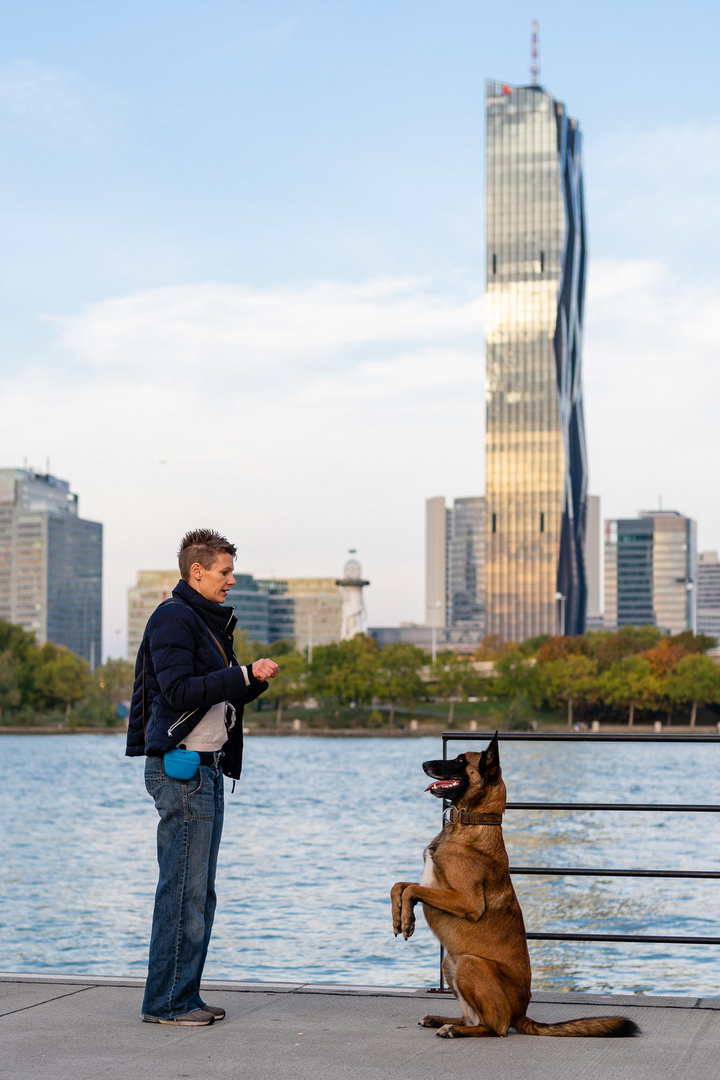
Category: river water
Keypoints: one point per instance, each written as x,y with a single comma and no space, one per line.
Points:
317,832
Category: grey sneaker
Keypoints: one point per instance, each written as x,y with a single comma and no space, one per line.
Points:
196,1018
216,1011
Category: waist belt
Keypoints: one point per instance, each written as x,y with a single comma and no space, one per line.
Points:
210,757
207,757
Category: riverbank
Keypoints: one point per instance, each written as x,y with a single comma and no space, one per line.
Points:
79,1028
406,731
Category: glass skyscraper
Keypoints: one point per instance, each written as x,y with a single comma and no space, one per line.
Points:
536,470
651,571
455,563
50,563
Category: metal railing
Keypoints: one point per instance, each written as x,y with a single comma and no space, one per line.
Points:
576,871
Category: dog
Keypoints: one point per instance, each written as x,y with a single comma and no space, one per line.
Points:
471,907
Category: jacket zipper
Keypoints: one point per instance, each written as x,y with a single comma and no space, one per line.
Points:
178,722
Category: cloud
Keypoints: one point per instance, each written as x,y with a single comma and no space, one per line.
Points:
233,328
652,384
48,94
303,420
655,193
308,419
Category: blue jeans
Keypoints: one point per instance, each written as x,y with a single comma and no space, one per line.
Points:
188,839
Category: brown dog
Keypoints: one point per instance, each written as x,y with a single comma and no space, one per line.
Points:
471,907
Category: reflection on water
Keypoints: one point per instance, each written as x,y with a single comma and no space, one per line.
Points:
316,833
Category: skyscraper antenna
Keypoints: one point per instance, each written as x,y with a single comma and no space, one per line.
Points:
534,56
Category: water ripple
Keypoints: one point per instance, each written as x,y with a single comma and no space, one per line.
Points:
315,835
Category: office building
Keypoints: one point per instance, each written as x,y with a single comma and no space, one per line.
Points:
651,571
708,594
263,610
304,610
150,589
535,443
437,542
50,563
593,564
455,564
317,611
463,642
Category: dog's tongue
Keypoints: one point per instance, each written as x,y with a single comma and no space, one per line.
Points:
440,784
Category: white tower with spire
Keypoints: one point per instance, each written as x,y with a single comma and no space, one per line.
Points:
351,590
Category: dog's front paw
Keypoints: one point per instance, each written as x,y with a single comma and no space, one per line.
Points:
447,1031
430,1021
408,926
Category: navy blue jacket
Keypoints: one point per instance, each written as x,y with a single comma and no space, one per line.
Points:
180,673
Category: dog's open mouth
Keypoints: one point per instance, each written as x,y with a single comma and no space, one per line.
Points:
442,785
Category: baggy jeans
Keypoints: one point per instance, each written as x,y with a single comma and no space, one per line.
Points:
188,839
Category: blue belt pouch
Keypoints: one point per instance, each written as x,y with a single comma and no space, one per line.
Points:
181,764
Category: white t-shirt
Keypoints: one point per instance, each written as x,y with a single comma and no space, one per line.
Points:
210,734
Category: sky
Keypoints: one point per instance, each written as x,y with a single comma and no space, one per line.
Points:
242,267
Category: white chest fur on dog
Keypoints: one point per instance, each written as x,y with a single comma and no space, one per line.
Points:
427,877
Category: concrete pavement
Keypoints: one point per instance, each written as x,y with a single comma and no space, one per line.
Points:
82,1028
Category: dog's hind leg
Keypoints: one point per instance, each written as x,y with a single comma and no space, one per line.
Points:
480,990
433,1021
449,964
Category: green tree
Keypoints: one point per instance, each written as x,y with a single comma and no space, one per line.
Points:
115,680
572,680
515,676
10,692
52,676
456,678
694,679
19,642
398,679
345,672
290,682
631,684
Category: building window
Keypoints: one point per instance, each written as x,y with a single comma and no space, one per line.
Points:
494,523
494,263
542,262
542,522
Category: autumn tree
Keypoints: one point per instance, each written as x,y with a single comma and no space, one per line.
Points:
630,684
610,647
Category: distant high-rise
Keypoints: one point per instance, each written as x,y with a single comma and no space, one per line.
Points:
455,563
651,572
708,594
149,590
593,564
536,469
50,563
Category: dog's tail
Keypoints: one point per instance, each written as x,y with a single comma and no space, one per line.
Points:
598,1027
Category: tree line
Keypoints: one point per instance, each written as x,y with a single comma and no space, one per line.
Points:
621,676
599,675
49,682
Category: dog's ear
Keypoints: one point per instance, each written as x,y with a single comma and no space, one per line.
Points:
490,759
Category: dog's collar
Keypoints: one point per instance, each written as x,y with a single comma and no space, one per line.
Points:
470,817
